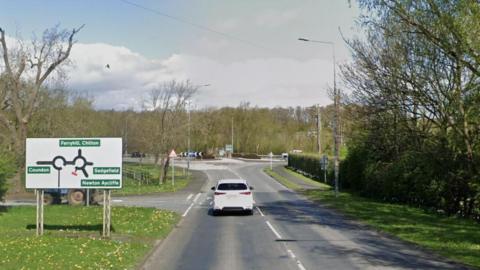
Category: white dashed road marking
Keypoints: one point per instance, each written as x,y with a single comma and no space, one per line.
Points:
189,196
273,230
299,264
188,209
260,211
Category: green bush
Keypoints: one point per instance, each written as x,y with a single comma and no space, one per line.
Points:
246,155
309,165
7,169
436,178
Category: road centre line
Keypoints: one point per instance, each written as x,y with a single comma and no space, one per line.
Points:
273,230
299,263
196,197
189,196
260,211
188,209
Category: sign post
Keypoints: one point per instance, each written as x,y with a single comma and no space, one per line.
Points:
229,150
173,155
73,163
107,212
40,203
324,166
271,160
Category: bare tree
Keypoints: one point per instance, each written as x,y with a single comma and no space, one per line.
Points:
23,74
165,107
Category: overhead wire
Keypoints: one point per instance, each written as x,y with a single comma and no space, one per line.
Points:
197,25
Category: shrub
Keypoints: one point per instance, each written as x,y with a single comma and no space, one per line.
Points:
309,165
7,169
246,155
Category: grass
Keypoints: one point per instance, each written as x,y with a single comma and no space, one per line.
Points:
292,185
454,238
284,181
72,237
136,187
306,179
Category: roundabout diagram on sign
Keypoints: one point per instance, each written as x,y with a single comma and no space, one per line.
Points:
59,163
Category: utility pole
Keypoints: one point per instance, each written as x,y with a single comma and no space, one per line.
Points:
319,131
126,135
336,117
232,138
336,125
188,140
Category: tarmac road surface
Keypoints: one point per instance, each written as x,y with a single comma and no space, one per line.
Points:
286,232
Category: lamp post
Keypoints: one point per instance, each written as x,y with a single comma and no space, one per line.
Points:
336,101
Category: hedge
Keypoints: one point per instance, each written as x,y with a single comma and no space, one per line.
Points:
309,165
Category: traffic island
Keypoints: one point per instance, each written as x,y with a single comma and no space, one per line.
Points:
75,233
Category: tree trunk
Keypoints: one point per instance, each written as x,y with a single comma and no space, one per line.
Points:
161,178
165,168
157,157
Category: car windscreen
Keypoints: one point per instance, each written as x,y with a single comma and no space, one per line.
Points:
232,186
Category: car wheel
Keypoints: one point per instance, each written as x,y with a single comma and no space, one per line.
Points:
75,197
250,212
48,199
215,213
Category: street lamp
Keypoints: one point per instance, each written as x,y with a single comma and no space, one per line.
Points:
336,101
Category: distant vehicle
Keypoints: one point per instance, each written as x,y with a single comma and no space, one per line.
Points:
73,196
192,154
232,195
137,155
296,151
285,156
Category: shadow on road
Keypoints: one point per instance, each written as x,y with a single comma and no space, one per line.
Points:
341,237
227,213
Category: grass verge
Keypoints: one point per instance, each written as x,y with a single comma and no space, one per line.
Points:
306,179
72,237
144,179
283,180
454,238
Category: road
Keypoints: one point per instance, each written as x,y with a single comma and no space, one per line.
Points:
286,232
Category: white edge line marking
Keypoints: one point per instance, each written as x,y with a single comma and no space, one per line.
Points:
188,209
196,197
291,254
273,230
260,211
189,196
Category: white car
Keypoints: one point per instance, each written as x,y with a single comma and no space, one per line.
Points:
232,195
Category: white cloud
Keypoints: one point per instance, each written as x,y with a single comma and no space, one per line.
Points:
276,18
261,81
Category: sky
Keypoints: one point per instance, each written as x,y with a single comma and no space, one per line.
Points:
245,50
